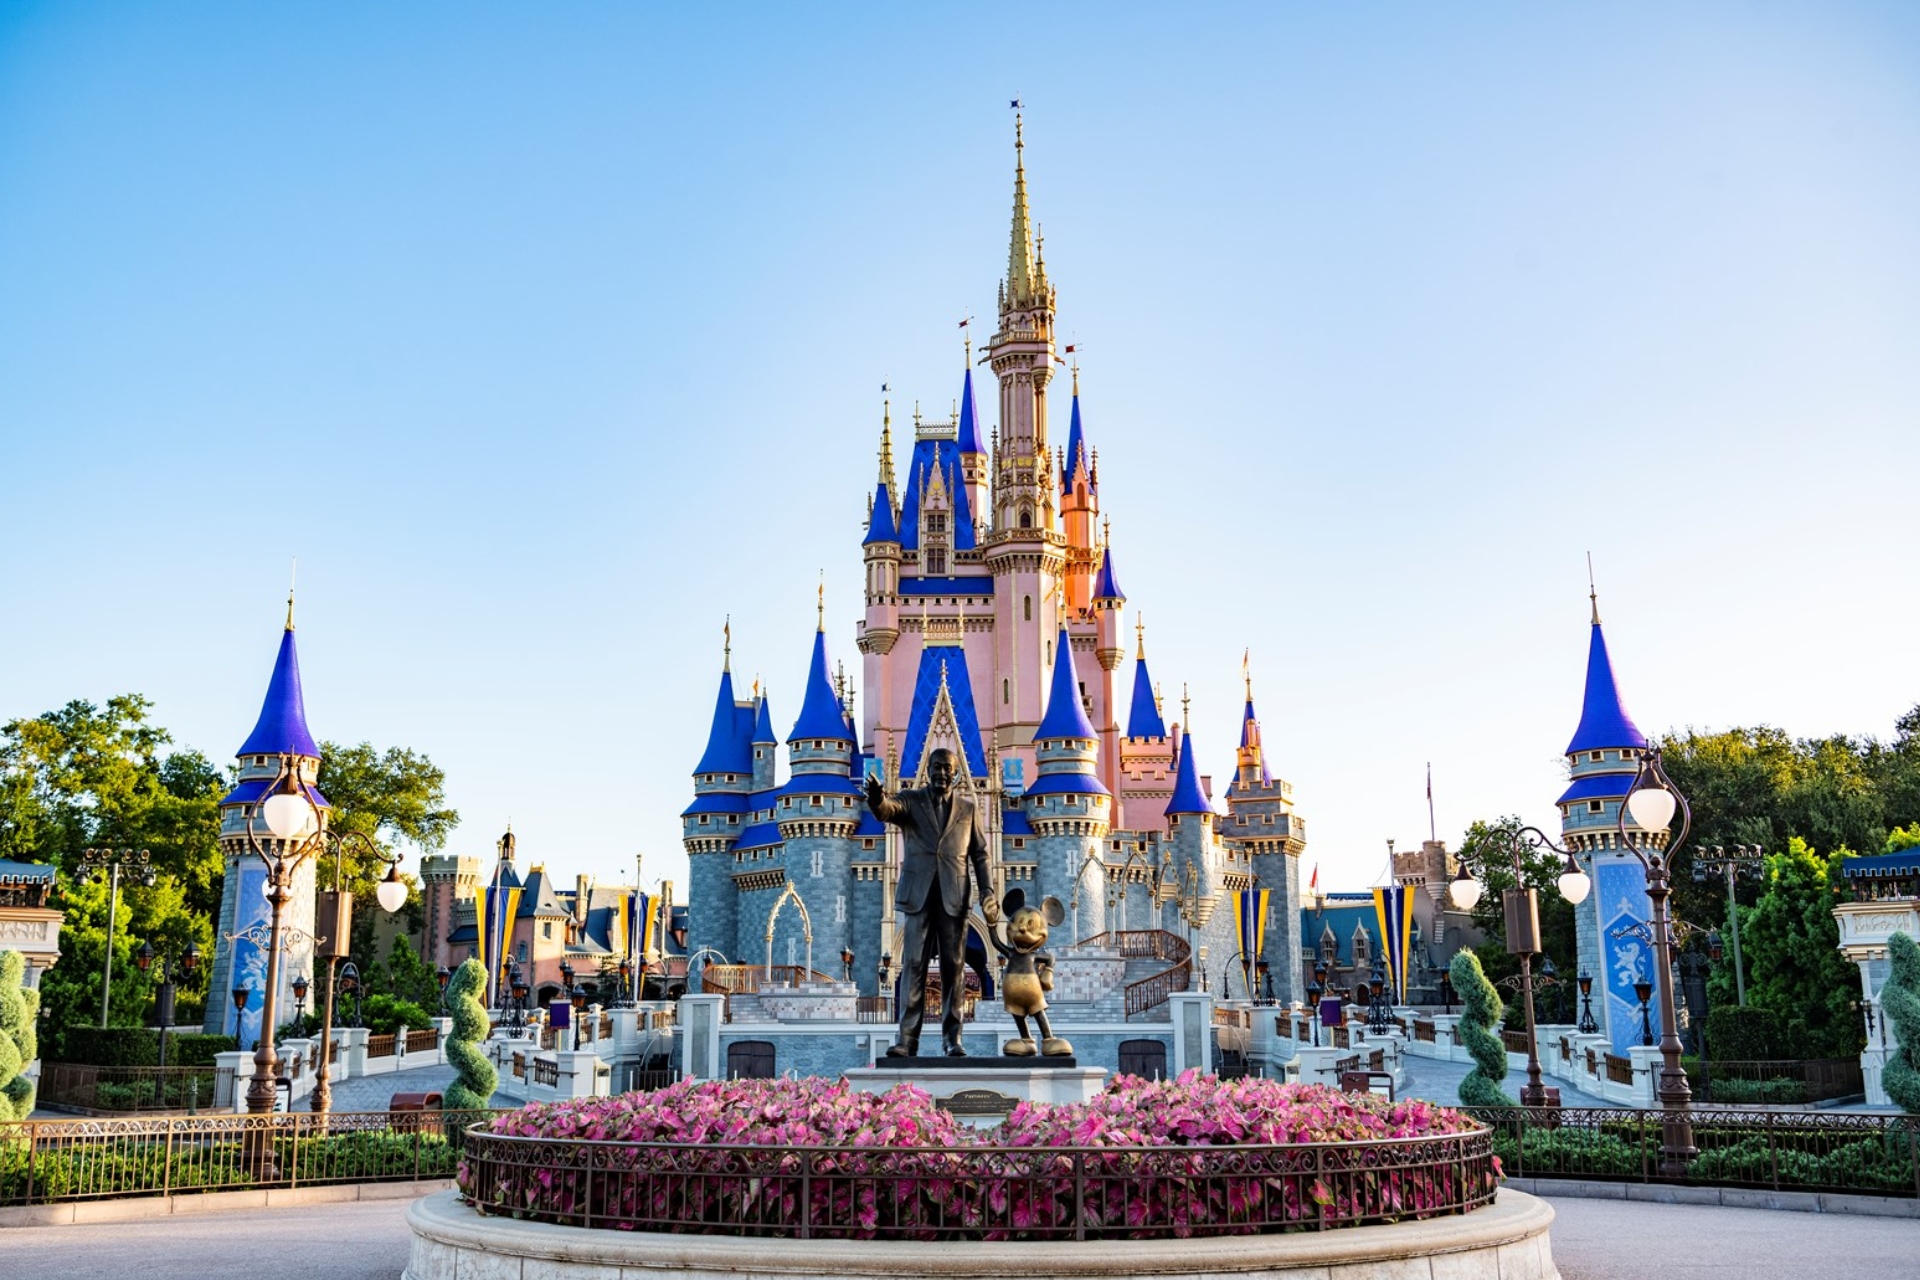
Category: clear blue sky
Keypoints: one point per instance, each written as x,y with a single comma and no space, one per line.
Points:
547,336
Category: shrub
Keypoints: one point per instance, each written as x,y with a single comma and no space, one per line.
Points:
473,1088
1778,1089
1900,1003
112,1046
18,1043
386,1015
1743,1033
1480,1014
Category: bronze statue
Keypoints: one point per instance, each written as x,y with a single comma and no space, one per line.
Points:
943,837
1029,974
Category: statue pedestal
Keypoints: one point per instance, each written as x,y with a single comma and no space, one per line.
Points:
982,1091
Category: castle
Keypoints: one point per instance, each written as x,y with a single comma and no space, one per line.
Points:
993,627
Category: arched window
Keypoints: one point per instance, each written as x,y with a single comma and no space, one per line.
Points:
1026,608
1026,518
1006,692
1362,945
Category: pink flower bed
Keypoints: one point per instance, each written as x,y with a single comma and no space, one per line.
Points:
1194,1156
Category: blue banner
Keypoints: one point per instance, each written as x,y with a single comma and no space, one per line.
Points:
1621,903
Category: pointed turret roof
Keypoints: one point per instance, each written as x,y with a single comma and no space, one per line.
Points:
1143,719
880,526
1187,795
1065,717
1603,720
969,438
821,715
1077,457
727,751
763,722
1105,585
282,727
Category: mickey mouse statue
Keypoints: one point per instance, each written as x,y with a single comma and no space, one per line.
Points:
1029,974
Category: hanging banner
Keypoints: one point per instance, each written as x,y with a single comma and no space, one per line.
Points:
1391,912
1250,926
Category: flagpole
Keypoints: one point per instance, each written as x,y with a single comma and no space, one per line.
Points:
1432,831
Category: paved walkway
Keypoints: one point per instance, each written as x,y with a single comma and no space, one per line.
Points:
1437,1080
1592,1240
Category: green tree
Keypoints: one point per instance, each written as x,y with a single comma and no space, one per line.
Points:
386,796
405,976
88,775
1794,965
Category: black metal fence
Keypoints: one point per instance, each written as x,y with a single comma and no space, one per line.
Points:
976,1193
111,1089
1780,1150
1788,1082
42,1161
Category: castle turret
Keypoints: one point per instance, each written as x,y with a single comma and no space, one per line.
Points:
1108,602
1070,809
1079,510
975,461
766,744
280,744
818,811
1603,756
722,781
1265,838
1146,752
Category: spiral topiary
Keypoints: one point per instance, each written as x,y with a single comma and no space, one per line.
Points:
1480,1015
19,1045
473,1088
1900,1005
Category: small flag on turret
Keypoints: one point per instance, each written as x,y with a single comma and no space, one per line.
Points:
1072,347
966,322
1015,104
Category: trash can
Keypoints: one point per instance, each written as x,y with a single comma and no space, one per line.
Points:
406,1111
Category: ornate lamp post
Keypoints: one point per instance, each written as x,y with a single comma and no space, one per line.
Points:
443,978
300,999
1745,860
105,864
240,997
625,998
1643,992
1378,1014
578,997
1652,803
1588,1027
521,990
170,972
296,832
1523,926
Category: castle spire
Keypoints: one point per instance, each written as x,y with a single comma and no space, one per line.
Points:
1603,719
1065,717
1187,796
1144,719
1020,262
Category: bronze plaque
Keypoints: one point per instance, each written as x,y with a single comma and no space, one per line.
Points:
977,1102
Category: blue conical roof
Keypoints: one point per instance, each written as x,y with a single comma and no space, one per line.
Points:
881,527
1603,721
1105,585
727,751
1248,721
282,727
763,722
1143,720
1187,795
969,421
821,715
1065,717
1076,446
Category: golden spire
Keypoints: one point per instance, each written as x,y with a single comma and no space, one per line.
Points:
1020,244
821,602
1140,634
886,445
1186,710
1246,671
1593,596
726,644
292,573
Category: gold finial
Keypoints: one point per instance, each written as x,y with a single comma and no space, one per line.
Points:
820,595
756,688
292,573
1593,595
726,644
1246,671
1019,285
1160,699
1186,710
1140,634
886,445
1106,531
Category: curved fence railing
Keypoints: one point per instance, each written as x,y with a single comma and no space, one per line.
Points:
1793,1150
975,1193
1153,990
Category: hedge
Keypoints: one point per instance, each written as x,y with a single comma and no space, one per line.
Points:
140,1047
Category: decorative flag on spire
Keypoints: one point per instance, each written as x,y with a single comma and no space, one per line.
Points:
1250,926
1396,934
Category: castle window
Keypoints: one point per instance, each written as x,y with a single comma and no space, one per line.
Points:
1596,755
1595,806
839,908
867,842
703,819
1026,605
816,802
936,560
818,871
546,930
1026,518
936,522
1006,692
